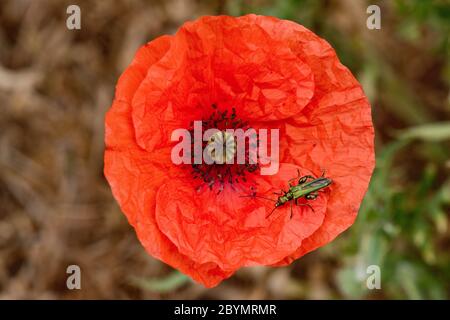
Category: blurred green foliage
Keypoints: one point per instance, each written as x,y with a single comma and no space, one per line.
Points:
170,283
400,228
403,224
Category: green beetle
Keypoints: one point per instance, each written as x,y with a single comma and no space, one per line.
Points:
308,187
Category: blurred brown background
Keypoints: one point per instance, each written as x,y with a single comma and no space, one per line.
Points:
56,208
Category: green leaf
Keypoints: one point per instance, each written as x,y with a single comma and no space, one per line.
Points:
162,285
429,132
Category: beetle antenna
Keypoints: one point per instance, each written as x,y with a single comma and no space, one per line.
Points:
271,212
290,217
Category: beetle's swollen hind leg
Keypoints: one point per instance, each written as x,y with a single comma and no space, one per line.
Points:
289,181
312,196
303,179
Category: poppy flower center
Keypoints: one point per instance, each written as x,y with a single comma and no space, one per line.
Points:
221,147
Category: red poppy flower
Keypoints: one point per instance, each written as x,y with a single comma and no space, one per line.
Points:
251,71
